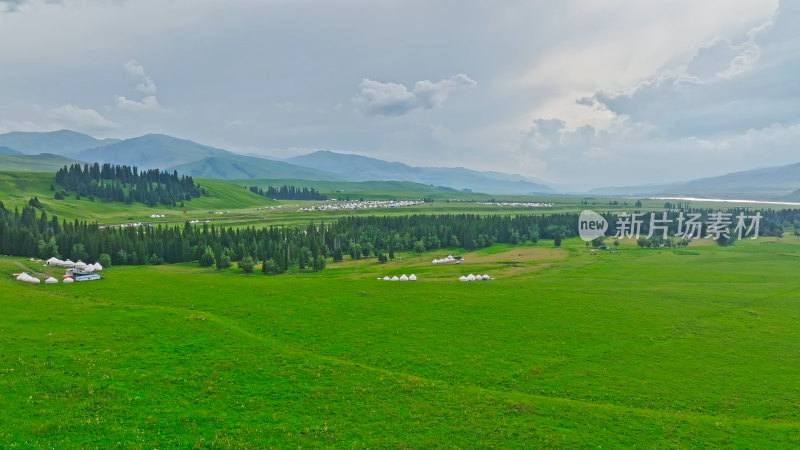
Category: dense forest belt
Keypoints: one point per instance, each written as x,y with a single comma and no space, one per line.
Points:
32,233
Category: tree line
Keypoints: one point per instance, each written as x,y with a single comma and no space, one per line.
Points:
127,184
32,233
289,193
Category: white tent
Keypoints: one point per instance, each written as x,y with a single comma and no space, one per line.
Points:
89,268
470,277
412,277
394,278
435,261
68,280
485,277
97,266
51,280
27,278
403,277
53,261
67,263
80,264
462,278
386,278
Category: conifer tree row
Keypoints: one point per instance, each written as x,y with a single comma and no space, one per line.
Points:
288,193
127,184
32,233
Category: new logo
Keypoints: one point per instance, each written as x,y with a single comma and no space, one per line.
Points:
591,225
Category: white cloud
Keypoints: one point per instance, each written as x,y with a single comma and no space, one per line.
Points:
71,116
146,84
393,99
147,104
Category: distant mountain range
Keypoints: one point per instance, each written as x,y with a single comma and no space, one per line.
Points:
771,183
49,150
362,168
167,152
63,142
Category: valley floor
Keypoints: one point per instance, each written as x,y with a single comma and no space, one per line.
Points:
566,347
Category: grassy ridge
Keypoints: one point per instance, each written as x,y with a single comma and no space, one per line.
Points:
369,190
16,188
565,348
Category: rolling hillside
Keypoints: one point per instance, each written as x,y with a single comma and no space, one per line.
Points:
45,162
16,188
234,166
8,151
370,190
63,142
362,168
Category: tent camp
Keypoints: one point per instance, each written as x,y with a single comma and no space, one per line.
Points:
462,278
68,280
412,277
403,277
386,278
394,278
51,280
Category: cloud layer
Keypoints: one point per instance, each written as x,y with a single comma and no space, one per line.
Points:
393,99
572,92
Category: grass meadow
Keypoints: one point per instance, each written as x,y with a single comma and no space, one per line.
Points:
697,347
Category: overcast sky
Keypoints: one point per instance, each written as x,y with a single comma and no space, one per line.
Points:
577,92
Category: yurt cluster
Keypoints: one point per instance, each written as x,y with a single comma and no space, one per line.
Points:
449,259
472,277
76,271
402,277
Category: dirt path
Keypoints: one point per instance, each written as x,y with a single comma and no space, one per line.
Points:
28,269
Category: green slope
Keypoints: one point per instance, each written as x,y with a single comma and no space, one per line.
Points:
387,190
45,162
232,166
17,188
8,151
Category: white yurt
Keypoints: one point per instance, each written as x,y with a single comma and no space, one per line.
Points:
394,278
470,277
97,266
68,280
485,277
80,264
412,277
462,278
67,263
435,261
27,278
53,261
386,278
51,280
403,277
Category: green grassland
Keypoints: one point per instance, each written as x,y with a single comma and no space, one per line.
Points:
16,188
565,348
243,208
44,162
